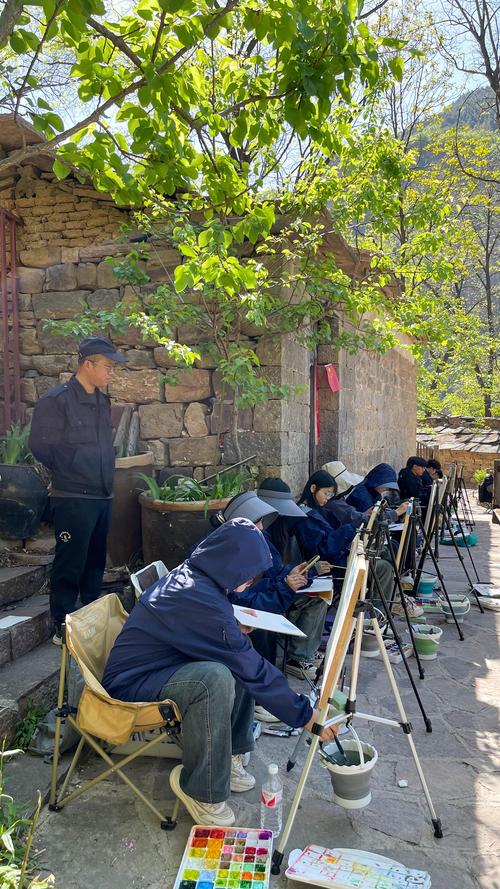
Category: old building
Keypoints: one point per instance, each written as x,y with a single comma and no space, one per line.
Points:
63,231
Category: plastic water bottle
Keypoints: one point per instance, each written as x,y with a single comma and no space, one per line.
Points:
271,802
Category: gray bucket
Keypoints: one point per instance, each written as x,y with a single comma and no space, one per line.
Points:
351,782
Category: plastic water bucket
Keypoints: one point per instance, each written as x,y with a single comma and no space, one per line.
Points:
461,607
351,782
426,639
426,586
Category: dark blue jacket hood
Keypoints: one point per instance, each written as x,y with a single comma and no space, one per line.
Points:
380,475
250,554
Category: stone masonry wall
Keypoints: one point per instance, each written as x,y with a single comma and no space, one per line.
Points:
373,417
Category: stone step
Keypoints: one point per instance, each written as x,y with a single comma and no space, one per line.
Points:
31,678
18,583
23,627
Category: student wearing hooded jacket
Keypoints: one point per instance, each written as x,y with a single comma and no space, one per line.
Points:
182,642
378,481
316,535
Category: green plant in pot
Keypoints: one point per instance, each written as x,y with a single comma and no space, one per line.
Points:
23,486
175,515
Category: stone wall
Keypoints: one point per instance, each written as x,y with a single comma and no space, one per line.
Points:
471,462
372,419
67,231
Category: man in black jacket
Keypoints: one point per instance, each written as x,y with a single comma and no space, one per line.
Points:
71,434
410,480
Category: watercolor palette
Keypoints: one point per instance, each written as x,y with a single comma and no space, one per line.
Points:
226,858
352,869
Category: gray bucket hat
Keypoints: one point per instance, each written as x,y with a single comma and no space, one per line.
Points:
249,506
282,502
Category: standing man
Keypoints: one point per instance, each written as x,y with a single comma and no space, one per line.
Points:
71,435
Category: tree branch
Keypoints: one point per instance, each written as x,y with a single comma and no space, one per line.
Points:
8,19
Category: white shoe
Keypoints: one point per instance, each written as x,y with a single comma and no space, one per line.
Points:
245,759
264,715
240,779
219,814
412,608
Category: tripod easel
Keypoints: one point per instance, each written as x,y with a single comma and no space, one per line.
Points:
350,616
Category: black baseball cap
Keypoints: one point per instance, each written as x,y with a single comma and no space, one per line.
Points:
99,345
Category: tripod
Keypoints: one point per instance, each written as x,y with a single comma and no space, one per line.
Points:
445,508
350,616
410,547
462,497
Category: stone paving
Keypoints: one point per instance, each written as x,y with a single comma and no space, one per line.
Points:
108,839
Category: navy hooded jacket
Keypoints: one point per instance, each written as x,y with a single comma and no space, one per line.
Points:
187,616
271,592
365,495
316,536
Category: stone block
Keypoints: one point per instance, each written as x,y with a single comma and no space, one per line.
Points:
24,302
40,257
158,449
55,344
269,447
103,299
86,274
28,341
193,451
61,277
70,254
28,390
65,377
30,280
51,364
139,386
192,385
221,418
267,416
195,421
269,351
105,275
60,304
221,389
160,420
163,358
43,384
139,358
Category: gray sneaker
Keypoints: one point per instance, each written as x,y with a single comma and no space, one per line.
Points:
240,778
219,814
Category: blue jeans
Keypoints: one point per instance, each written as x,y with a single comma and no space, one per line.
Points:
217,716
308,615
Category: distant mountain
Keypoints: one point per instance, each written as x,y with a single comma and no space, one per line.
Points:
476,110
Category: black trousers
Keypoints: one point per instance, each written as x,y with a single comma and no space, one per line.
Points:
81,528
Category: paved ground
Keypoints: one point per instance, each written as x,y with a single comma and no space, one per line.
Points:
108,841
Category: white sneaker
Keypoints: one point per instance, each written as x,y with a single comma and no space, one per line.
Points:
245,759
240,779
264,715
412,608
301,669
219,814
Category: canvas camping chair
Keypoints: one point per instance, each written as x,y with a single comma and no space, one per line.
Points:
145,578
88,636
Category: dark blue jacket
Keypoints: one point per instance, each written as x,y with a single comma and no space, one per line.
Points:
186,616
365,495
271,592
71,434
413,486
316,536
339,513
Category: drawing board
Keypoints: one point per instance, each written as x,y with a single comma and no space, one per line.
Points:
430,514
404,534
340,636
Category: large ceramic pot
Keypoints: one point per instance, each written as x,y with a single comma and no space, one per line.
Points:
170,530
125,537
23,498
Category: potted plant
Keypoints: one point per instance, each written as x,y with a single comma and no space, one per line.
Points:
23,486
176,515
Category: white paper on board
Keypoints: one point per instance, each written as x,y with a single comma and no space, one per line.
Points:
265,620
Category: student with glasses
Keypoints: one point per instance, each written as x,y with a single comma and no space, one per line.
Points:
71,434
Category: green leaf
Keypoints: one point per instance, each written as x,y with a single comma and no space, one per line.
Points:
397,67
182,278
61,170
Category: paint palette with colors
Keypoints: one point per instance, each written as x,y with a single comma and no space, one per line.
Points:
226,858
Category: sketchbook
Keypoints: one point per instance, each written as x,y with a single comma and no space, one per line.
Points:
353,869
320,588
265,620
